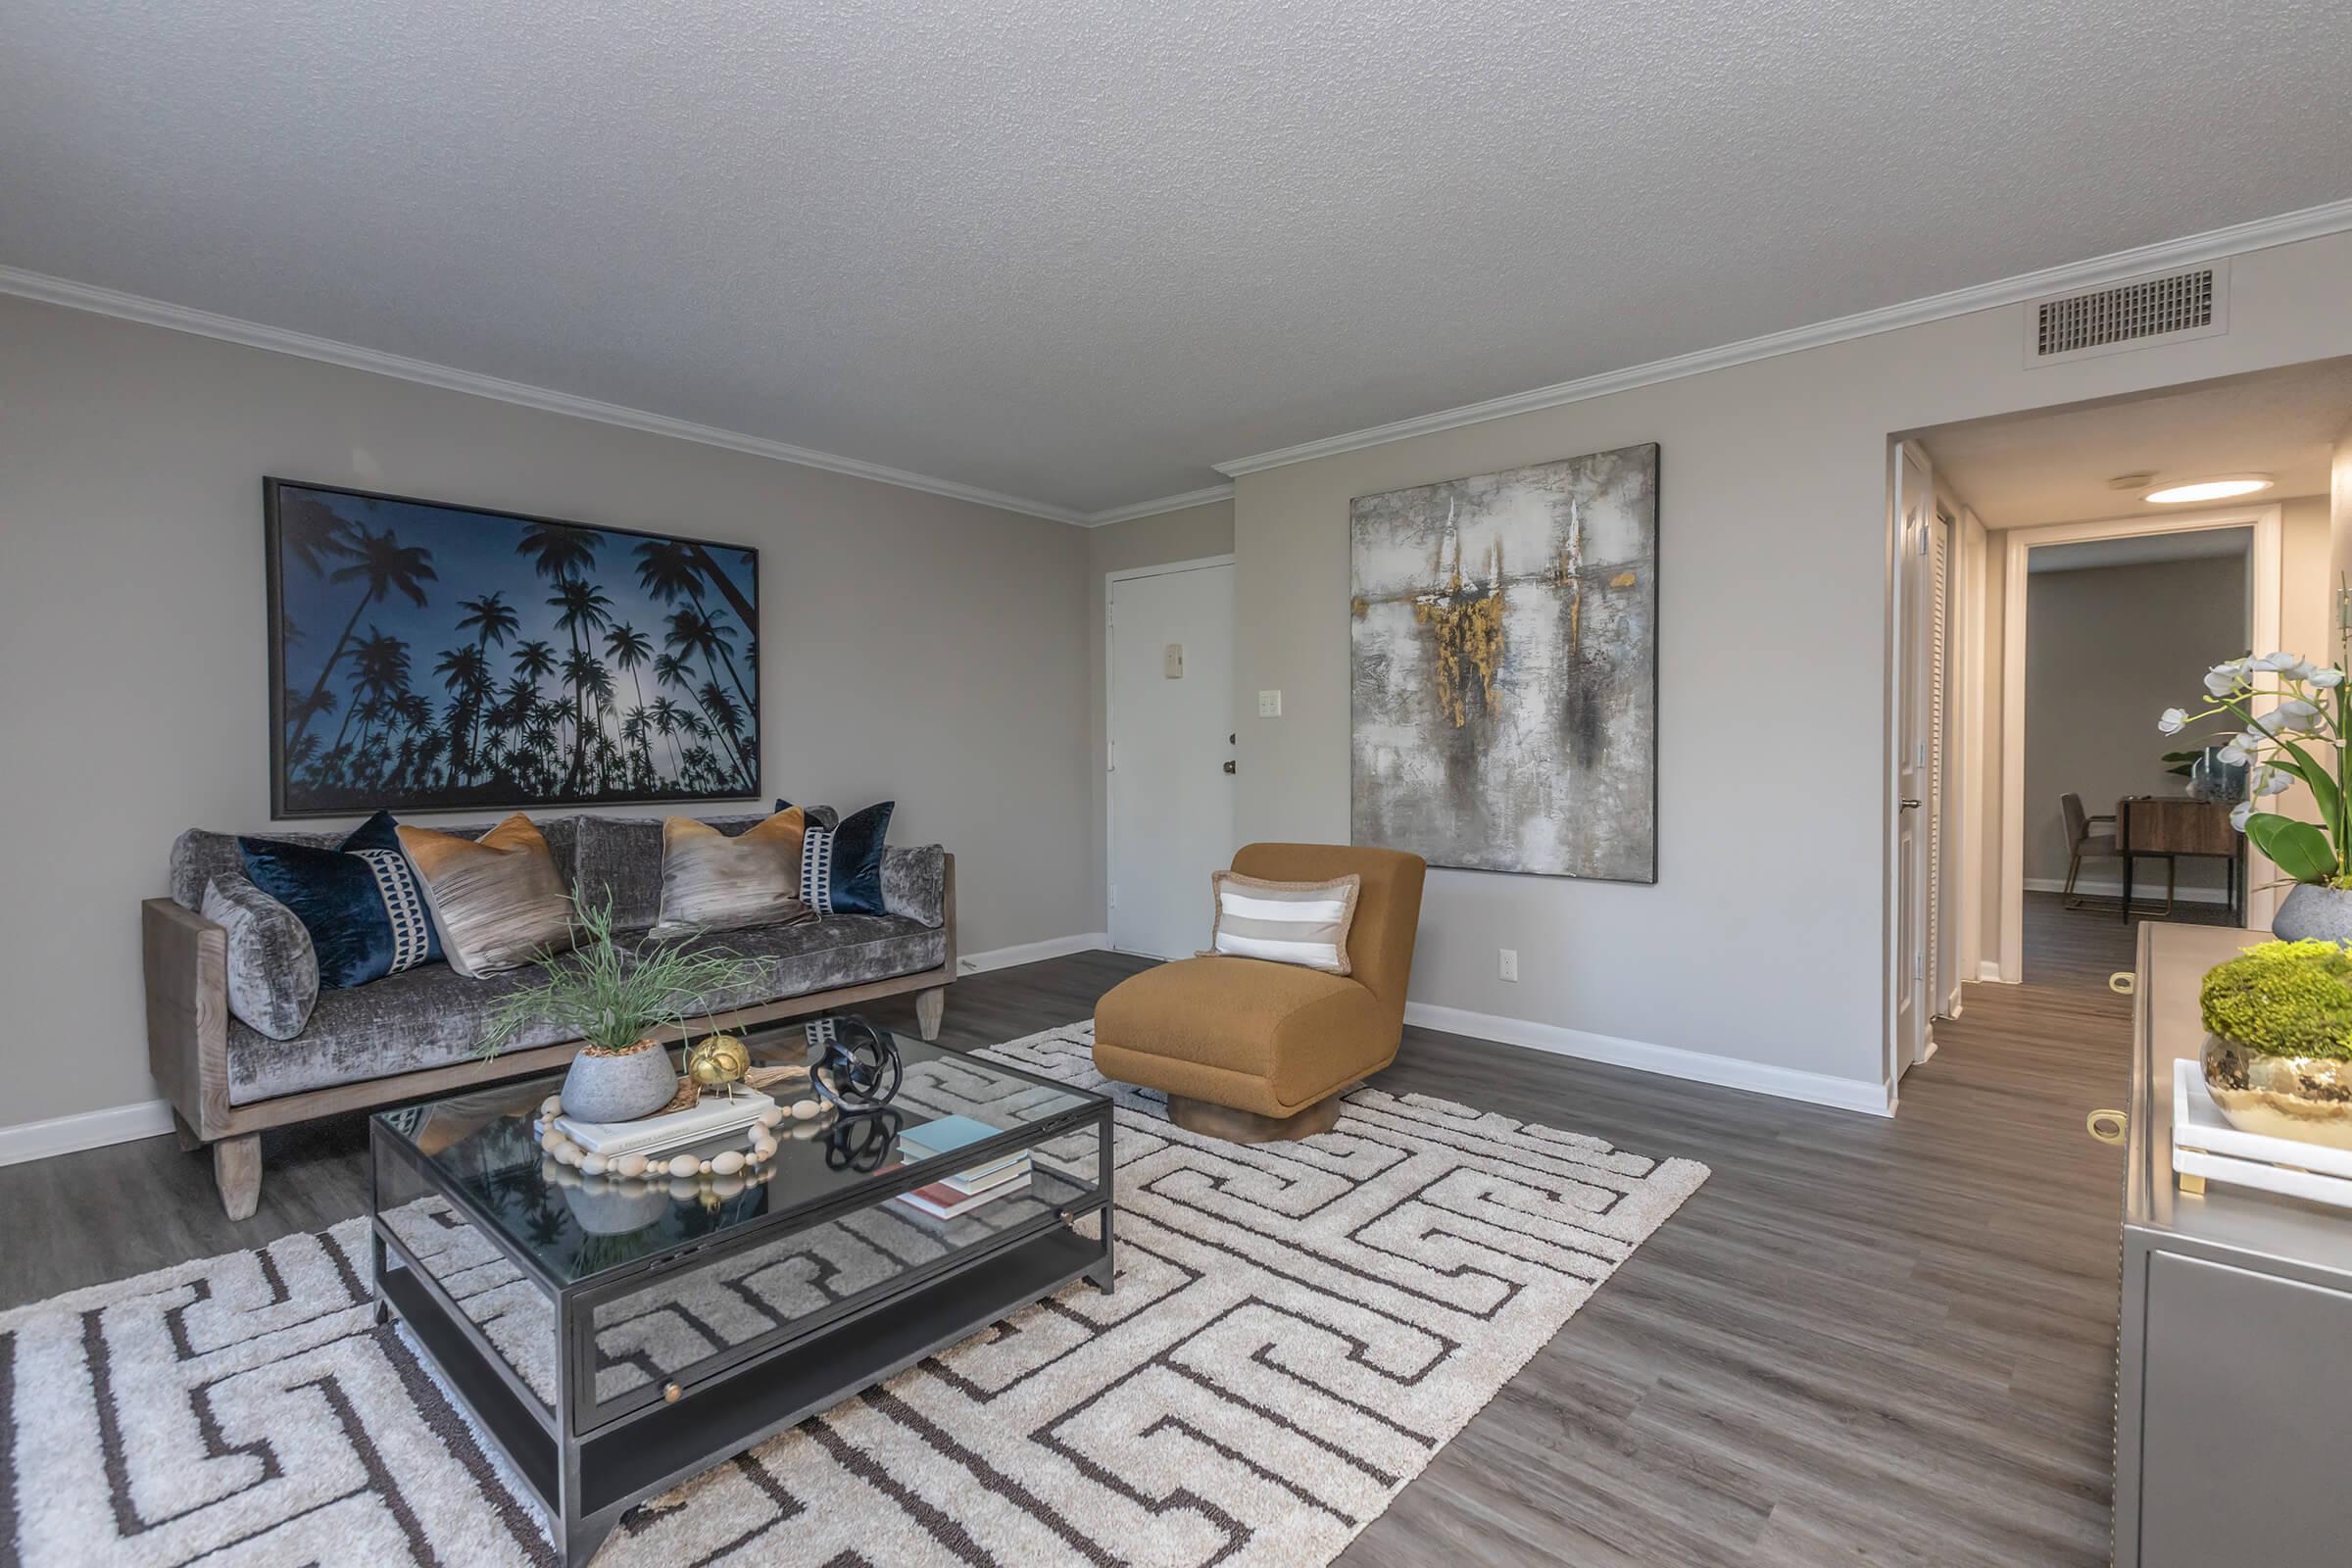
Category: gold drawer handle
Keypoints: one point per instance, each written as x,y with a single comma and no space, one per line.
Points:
670,1393
2116,1123
2122,982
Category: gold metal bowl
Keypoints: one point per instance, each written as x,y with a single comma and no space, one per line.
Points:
2304,1098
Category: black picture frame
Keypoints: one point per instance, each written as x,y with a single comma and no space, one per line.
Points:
416,705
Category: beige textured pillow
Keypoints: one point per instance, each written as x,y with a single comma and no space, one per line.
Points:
710,882
1286,922
498,900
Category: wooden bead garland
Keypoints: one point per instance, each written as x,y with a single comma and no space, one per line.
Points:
680,1167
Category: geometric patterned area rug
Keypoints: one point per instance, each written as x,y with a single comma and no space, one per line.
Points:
1297,1329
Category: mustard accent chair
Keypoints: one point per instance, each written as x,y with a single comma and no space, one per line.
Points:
1249,1050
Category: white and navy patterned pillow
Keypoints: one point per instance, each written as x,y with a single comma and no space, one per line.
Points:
361,903
404,907
816,868
841,867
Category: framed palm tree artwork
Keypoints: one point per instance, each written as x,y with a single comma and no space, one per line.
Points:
430,657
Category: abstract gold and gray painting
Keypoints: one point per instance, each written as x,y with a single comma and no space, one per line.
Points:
1504,669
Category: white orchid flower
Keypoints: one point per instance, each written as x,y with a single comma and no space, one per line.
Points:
2226,678
2281,662
2235,753
2171,721
2327,679
2238,815
2294,714
2268,781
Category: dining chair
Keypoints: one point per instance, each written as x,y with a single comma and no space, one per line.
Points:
2082,842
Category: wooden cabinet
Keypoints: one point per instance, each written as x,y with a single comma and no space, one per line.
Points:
2233,1388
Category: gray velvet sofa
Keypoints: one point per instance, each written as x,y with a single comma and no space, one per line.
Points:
414,1033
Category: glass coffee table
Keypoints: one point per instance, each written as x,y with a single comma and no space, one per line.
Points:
614,1338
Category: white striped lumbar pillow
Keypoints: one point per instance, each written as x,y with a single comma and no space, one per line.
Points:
1287,922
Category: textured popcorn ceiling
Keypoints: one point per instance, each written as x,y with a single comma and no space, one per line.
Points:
1078,252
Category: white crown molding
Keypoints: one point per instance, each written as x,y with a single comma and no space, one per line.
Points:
1730,1072
303,345
1153,509
2311,222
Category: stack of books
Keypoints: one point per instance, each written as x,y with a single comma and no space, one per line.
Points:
966,1190
711,1117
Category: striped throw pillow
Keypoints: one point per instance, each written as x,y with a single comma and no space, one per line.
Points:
1287,922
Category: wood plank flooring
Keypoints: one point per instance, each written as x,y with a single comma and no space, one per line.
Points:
1864,1340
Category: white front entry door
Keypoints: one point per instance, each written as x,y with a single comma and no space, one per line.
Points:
1171,755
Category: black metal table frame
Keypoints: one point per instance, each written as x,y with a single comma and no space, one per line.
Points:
740,1396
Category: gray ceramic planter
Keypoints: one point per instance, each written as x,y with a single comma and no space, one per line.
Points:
610,1089
2314,913
616,1208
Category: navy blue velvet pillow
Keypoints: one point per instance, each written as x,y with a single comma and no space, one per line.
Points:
841,867
361,904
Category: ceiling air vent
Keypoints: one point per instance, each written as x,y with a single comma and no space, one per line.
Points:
2140,313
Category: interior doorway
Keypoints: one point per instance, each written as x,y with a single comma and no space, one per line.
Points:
1171,762
2115,621
2038,509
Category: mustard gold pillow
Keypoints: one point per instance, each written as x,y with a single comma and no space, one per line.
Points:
710,882
497,900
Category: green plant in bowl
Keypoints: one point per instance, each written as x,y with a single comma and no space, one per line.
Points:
2279,1041
619,1001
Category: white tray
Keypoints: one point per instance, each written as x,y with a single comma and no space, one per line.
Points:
2206,1146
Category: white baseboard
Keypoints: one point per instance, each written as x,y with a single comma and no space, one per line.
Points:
1030,952
2143,890
1672,1061
89,1129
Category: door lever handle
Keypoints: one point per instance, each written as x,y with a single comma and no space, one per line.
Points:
1910,804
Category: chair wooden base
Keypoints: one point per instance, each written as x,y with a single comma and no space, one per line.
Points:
1212,1120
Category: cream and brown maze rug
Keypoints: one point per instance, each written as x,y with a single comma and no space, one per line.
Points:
1297,1329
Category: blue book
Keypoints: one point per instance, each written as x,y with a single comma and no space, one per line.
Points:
950,1133
946,1135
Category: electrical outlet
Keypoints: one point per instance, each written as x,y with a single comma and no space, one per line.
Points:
1510,963
1269,704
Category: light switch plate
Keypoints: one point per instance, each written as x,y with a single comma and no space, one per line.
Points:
1269,704
1172,662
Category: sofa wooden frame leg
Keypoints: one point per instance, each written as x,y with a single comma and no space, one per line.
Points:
237,1172
929,1007
190,1140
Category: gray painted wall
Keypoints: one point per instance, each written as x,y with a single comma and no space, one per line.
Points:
1764,941
915,647
2106,650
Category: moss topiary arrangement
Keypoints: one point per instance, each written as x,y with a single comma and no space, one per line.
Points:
2279,1041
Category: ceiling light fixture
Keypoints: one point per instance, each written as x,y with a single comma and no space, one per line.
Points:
2221,487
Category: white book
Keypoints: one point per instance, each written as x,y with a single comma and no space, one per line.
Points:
712,1116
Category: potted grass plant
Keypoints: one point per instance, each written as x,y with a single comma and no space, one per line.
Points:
2293,720
619,1001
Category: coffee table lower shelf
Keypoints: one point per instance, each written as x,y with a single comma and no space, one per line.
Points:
627,1461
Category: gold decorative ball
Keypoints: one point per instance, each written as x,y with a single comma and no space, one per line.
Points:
718,1061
